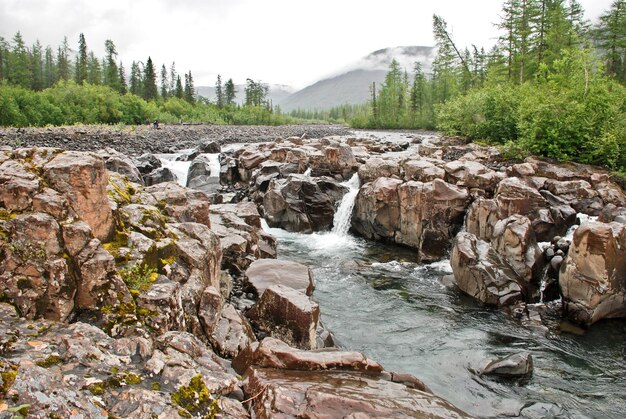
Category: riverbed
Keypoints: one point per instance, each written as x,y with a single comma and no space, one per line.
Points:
378,300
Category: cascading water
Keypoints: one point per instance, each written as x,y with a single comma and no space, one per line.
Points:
341,220
179,168
214,160
307,173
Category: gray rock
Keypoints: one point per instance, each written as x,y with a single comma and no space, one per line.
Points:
513,366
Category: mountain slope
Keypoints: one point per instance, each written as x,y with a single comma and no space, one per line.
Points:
353,83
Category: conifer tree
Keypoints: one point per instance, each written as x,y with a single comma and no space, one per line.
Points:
94,69
111,71
81,60
610,35
178,90
164,83
63,61
19,71
135,85
36,67
189,92
49,68
219,93
150,91
122,79
230,93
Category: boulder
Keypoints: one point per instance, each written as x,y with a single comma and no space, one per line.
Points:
147,163
82,178
513,366
514,241
430,215
289,315
578,194
183,204
377,209
516,197
471,174
34,275
377,167
333,394
264,273
274,353
18,186
200,176
482,217
232,333
300,204
480,272
593,275
120,163
159,175
422,170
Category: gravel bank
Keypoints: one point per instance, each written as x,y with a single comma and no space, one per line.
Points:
136,140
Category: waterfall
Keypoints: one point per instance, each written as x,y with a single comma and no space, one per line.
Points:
179,168
307,172
341,221
214,160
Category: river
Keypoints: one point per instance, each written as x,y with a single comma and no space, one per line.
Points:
377,300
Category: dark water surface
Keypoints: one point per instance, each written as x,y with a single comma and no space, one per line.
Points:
378,301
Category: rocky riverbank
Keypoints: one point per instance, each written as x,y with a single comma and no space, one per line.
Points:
140,298
139,139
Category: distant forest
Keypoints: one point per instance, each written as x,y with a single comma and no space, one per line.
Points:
52,86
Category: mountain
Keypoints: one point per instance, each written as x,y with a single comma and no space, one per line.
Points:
352,84
276,92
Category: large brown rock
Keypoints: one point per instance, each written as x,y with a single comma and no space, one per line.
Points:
377,167
430,214
274,353
185,205
264,273
593,275
377,209
161,307
232,333
33,272
481,273
17,186
289,315
422,170
515,242
333,394
516,197
301,204
82,178
471,174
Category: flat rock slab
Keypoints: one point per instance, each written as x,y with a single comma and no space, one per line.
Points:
264,273
332,394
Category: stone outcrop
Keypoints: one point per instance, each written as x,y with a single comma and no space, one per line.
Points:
264,273
593,275
290,382
301,204
425,216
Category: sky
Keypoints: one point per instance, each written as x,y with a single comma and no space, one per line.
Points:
290,42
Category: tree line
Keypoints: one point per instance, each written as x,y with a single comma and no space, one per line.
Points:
553,85
45,86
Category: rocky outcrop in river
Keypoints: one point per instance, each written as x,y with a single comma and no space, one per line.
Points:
122,299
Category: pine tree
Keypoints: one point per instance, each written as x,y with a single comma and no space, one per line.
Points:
122,79
219,93
111,71
18,69
230,93
49,69
63,61
81,60
610,35
189,93
150,91
94,69
164,83
135,86
178,90
173,79
4,56
36,67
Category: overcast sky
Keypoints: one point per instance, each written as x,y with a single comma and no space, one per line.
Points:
277,41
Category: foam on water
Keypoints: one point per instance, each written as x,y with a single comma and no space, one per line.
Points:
341,221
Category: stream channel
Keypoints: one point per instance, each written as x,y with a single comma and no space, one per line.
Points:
377,300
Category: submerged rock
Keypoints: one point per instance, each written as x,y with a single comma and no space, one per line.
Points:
513,366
